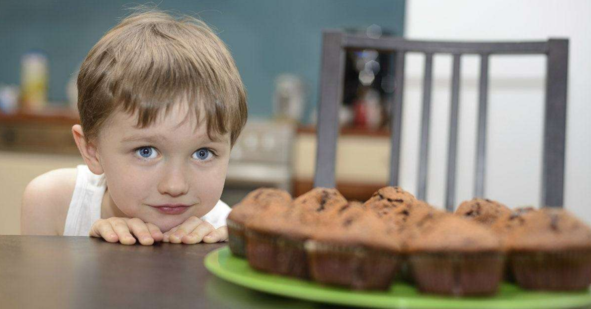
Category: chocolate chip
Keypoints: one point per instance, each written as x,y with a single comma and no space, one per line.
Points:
344,208
256,197
323,199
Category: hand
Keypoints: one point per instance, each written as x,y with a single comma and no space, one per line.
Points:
121,230
195,230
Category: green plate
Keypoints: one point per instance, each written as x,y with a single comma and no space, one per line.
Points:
401,295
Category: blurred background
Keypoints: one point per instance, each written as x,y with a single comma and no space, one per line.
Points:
277,48
267,38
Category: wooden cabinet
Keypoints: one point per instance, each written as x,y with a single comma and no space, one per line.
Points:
50,132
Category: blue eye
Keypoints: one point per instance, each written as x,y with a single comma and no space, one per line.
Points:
202,154
146,152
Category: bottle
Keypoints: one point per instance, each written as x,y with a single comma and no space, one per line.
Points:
34,76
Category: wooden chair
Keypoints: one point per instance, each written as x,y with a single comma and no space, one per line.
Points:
335,43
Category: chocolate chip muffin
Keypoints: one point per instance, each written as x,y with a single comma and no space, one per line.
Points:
551,250
274,243
355,250
482,210
275,239
503,227
456,256
253,204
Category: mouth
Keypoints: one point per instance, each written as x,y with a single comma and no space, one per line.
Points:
169,209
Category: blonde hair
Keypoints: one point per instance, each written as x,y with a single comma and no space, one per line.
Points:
151,61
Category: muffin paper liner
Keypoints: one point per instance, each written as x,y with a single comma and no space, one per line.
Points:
236,238
352,266
457,273
552,271
277,254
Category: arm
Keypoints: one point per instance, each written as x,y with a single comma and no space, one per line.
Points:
46,201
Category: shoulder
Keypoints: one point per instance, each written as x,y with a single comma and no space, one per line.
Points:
46,201
220,209
217,216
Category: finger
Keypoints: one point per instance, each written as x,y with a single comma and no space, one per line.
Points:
212,237
141,232
155,232
103,229
184,229
220,235
198,233
166,236
122,230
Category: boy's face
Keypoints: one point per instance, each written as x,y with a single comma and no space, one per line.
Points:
166,172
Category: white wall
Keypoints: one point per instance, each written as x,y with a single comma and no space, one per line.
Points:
515,101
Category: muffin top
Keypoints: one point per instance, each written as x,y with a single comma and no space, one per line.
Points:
394,196
256,202
357,225
392,204
306,213
319,200
266,195
277,219
550,229
422,213
450,233
482,210
508,222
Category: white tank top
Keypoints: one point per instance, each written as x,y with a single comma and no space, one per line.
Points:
85,207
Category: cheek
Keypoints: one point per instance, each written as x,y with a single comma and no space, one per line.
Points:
209,186
127,187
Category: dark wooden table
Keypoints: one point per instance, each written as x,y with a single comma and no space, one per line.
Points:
83,272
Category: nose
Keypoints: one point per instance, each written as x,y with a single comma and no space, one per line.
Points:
174,182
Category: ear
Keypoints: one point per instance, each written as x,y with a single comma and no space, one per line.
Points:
88,150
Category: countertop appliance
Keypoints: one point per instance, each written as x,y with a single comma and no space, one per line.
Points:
261,157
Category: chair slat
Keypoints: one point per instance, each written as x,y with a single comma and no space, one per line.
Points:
480,171
453,135
555,124
332,80
396,118
425,127
355,41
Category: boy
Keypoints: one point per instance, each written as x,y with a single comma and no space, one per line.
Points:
161,104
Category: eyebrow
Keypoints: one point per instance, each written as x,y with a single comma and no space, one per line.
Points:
148,138
162,138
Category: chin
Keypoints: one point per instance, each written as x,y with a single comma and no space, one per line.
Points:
165,227
166,224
